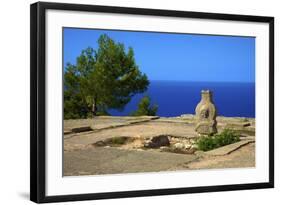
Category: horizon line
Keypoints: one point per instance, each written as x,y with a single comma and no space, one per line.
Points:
193,81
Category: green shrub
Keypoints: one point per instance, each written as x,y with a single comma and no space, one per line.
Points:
102,113
115,141
118,140
145,108
226,137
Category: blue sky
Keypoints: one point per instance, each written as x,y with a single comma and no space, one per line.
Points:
176,57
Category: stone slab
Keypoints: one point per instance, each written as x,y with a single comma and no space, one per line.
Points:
93,161
251,138
81,129
243,157
240,125
106,122
66,132
228,148
145,130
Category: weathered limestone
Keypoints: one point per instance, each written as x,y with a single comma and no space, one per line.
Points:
206,114
81,129
228,148
157,141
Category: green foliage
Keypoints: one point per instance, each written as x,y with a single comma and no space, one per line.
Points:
226,137
105,78
114,141
145,108
118,140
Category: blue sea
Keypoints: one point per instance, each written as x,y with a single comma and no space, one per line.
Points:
176,98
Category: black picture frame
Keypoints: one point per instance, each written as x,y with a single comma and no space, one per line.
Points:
38,101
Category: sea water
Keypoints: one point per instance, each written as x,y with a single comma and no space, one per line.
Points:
175,98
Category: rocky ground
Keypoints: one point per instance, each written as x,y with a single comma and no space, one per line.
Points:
110,145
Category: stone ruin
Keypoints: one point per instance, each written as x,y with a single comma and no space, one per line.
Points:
206,114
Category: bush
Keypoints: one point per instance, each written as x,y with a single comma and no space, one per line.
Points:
102,113
218,140
114,141
145,108
118,140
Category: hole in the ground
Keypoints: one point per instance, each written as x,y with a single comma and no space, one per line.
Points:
114,141
163,143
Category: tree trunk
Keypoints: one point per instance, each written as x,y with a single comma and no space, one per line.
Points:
94,108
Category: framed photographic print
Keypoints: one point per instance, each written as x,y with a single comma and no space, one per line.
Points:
129,102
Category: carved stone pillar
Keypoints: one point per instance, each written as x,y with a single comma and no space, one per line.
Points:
206,114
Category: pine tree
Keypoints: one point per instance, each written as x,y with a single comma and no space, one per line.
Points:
102,79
